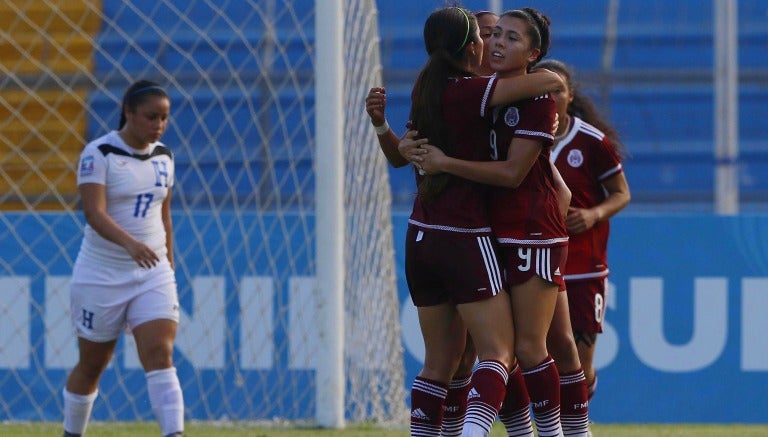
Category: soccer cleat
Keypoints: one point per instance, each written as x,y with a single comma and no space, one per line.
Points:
69,434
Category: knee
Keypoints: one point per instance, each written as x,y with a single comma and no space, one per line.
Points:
156,356
441,368
530,353
90,370
466,363
563,350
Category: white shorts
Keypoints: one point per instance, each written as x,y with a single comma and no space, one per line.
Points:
105,300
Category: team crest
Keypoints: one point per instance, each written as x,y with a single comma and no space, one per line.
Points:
511,117
86,165
575,158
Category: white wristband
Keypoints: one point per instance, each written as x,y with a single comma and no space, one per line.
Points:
381,130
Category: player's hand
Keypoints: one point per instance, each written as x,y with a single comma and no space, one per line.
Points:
142,254
430,160
580,220
375,104
410,147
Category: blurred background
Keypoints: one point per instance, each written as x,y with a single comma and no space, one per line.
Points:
650,66
684,337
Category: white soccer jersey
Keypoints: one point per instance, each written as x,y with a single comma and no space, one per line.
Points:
137,182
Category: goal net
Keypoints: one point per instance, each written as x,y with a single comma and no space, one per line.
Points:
241,81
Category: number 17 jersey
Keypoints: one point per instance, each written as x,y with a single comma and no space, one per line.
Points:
136,183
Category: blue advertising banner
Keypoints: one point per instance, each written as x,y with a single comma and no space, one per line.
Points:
686,333
225,297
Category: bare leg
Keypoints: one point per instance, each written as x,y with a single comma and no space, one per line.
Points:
154,341
83,383
443,332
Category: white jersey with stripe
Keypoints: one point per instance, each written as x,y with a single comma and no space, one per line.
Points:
137,182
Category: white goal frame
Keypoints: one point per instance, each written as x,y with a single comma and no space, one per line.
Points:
330,211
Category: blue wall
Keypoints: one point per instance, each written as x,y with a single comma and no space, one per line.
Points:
657,91
685,333
684,339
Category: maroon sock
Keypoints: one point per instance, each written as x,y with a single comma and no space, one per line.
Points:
455,407
543,384
515,411
574,403
489,385
427,399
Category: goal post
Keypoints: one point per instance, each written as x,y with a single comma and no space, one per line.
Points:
329,168
281,206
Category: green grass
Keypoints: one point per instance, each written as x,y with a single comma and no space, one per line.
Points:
133,429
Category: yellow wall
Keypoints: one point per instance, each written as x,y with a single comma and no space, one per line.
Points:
46,50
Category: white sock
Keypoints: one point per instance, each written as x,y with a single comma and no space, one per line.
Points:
77,411
473,430
166,399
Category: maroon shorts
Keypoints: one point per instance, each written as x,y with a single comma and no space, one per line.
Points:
586,299
446,267
521,263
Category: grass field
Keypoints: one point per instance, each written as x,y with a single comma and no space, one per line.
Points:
122,429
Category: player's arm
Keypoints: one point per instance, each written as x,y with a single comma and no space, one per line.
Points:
563,192
579,219
168,225
512,89
523,153
94,200
375,104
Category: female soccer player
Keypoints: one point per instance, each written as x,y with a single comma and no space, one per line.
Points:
451,267
588,154
123,275
526,216
486,20
455,403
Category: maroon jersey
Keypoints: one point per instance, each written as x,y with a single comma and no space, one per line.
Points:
586,158
529,214
462,206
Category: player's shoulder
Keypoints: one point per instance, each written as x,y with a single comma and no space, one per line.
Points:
462,87
585,128
543,99
537,104
540,107
102,144
160,149
471,80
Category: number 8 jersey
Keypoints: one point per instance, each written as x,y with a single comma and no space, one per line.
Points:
136,183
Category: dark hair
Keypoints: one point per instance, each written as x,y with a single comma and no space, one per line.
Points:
136,94
582,106
447,32
538,29
483,13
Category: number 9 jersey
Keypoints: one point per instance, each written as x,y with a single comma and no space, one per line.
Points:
136,184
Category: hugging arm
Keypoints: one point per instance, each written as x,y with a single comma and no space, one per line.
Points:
375,103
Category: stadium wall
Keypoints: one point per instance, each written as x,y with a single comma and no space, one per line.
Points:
685,334
684,341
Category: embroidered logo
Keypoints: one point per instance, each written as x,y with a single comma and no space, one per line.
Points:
511,117
575,158
86,165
